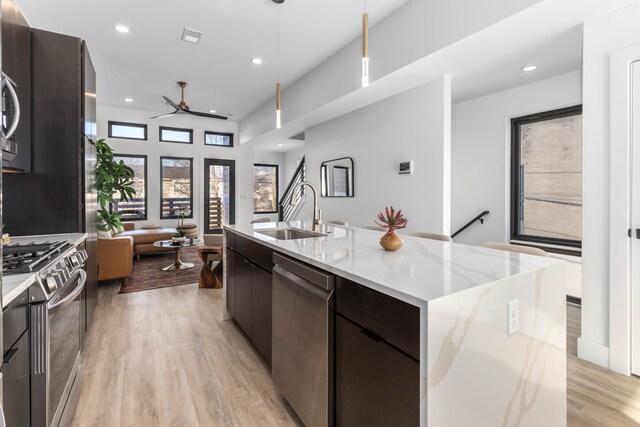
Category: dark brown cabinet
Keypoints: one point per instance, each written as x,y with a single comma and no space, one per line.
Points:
377,376
249,290
262,317
244,294
58,195
16,369
16,64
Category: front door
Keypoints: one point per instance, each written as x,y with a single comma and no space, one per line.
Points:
219,194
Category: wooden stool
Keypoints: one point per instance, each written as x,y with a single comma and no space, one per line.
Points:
210,278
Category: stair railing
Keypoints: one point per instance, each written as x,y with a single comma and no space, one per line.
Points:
285,209
470,223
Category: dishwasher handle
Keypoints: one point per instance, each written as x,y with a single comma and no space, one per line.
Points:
318,277
302,283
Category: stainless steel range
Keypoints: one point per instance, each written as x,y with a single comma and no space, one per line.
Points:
30,257
55,325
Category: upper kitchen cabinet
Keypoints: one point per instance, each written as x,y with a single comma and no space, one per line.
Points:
16,65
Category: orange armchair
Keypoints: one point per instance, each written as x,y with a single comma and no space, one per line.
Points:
115,258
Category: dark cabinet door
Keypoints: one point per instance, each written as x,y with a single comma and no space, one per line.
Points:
16,384
230,274
56,160
244,294
262,312
376,385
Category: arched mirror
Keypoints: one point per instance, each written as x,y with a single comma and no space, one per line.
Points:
336,177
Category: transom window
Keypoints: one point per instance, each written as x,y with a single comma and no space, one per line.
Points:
123,130
136,209
547,178
179,135
176,175
218,139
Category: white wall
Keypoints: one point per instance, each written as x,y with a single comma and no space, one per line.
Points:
272,158
413,125
602,35
153,149
481,151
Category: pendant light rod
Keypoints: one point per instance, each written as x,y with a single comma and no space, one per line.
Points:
278,97
365,47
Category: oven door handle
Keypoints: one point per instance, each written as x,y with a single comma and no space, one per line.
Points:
6,82
73,295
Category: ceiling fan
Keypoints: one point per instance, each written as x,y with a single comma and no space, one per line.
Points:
182,107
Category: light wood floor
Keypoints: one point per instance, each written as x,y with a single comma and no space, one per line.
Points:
166,358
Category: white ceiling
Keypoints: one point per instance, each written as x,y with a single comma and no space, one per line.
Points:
145,63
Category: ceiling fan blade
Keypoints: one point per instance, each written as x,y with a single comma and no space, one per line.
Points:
170,102
208,115
162,115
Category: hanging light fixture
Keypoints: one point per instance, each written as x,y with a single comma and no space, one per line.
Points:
278,110
365,47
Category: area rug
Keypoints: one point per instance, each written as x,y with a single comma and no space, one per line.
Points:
147,273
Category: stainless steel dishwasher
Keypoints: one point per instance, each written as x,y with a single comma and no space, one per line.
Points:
302,365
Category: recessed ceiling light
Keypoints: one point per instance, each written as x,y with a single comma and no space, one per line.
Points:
212,111
128,100
191,36
528,68
121,28
280,145
256,61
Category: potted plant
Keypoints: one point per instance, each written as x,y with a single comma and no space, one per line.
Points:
180,235
112,177
392,221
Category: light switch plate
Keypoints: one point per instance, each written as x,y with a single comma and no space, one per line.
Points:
513,319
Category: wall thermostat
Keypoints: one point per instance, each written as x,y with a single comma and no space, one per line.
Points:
405,167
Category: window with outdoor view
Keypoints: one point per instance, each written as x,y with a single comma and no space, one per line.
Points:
265,188
176,174
122,130
547,178
135,209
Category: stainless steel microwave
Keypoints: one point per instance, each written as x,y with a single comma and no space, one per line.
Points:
10,118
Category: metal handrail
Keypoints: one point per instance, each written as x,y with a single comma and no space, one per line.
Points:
470,223
285,209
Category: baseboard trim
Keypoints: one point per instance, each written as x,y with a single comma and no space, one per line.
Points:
593,352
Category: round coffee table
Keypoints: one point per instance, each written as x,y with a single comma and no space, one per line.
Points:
177,263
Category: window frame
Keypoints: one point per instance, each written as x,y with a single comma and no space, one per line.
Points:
190,216
111,123
161,128
146,185
231,164
277,188
210,132
550,244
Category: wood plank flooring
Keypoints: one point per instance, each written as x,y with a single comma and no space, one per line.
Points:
166,358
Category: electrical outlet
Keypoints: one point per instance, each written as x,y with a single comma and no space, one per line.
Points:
513,321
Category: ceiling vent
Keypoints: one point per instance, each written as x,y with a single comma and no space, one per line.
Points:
191,36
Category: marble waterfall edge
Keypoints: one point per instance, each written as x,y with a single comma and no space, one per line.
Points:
474,373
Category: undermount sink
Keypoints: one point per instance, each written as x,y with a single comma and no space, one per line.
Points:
290,233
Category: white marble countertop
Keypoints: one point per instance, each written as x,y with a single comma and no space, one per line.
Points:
13,285
422,270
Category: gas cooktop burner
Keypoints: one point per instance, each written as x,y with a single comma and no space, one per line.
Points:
26,258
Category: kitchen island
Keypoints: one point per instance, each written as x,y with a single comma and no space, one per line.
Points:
489,325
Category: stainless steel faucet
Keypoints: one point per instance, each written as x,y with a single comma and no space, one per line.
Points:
317,215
